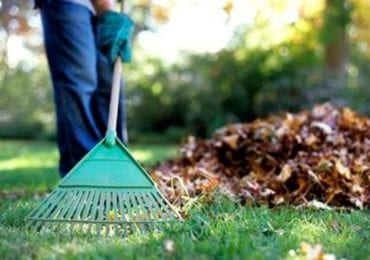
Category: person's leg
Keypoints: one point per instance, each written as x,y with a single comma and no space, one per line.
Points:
71,52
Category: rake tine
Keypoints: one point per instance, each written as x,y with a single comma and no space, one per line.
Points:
127,203
85,209
54,206
149,205
101,210
66,204
82,205
159,206
31,224
40,209
46,204
79,207
73,205
76,203
157,210
43,204
63,204
137,216
156,214
151,211
163,206
116,211
49,209
172,211
139,212
94,212
107,212
89,203
114,214
60,201
123,213
154,211
145,209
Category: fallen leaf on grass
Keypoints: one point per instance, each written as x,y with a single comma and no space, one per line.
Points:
335,225
314,204
169,246
314,252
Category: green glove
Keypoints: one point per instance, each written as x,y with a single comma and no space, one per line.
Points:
114,33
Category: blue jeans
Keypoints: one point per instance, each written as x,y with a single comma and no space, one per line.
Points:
81,79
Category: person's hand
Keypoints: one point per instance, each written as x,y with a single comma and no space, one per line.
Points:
114,35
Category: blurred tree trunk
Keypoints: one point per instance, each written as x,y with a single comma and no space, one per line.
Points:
335,41
336,54
336,48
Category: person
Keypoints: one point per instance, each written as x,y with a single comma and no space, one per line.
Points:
82,39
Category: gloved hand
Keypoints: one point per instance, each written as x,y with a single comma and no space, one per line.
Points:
114,34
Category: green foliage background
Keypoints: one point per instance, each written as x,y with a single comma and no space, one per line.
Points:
244,81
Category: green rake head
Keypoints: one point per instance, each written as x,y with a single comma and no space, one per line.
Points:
106,192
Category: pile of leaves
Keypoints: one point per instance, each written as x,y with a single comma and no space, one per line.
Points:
319,157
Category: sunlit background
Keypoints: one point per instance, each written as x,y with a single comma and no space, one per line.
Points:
201,64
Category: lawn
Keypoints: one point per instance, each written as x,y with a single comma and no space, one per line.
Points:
219,229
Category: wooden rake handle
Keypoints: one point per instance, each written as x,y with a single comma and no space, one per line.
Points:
114,98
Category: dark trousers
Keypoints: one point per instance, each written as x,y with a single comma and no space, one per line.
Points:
81,79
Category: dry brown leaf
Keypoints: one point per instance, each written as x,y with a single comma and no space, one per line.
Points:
323,165
343,170
348,117
285,173
323,126
231,140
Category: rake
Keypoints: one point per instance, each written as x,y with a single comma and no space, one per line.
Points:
108,191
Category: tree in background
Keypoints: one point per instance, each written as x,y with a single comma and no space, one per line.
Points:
294,53
25,101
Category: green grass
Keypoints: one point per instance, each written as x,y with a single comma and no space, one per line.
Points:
220,229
